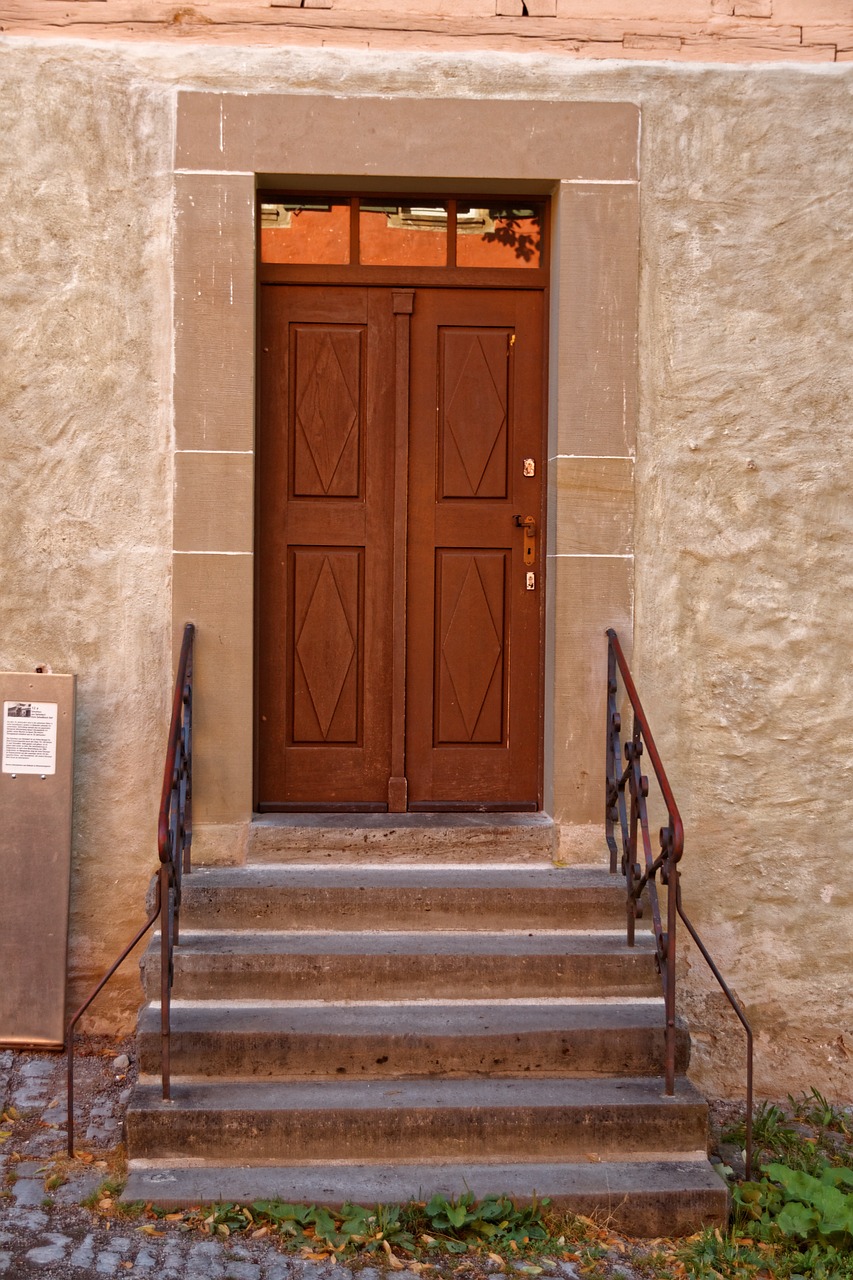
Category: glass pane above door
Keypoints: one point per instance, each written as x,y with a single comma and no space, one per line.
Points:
306,232
396,235
498,235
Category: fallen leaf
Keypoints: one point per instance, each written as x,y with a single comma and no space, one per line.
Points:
151,1231
498,1260
593,1157
261,1231
393,1262
174,1217
105,1204
5,1135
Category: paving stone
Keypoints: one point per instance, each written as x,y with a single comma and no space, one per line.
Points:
29,1219
28,1192
84,1253
107,1263
204,1269
145,1260
53,1252
242,1271
283,1271
34,1089
206,1249
79,1189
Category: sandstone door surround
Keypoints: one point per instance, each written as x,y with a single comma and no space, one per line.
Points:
585,156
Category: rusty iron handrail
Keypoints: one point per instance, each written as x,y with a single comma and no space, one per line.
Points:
174,840
635,818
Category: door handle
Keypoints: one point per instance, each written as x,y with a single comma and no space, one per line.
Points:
528,524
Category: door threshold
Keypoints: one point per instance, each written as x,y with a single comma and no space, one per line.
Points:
360,820
402,837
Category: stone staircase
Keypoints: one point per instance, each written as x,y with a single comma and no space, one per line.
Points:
378,1031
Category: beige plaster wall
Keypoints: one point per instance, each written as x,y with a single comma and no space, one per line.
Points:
743,524
85,523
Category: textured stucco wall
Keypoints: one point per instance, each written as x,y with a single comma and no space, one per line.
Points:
85,527
743,523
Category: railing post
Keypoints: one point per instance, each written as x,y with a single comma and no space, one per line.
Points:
166,897
670,869
612,759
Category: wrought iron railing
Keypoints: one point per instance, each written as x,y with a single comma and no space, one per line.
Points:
174,839
630,817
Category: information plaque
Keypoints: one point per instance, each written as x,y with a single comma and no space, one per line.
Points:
36,780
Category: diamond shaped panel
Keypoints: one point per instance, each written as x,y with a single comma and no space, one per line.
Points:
327,411
325,647
475,413
471,648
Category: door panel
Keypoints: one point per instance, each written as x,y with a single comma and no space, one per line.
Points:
468,678
473,400
473,709
332,361
325,488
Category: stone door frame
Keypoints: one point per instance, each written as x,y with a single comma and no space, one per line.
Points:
585,155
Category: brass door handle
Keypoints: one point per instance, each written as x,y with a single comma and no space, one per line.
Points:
528,524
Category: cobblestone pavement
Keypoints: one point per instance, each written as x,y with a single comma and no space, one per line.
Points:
46,1232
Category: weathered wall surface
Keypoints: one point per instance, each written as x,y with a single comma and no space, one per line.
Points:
744,523
85,524
742,572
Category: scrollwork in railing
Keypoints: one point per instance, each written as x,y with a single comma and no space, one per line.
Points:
629,819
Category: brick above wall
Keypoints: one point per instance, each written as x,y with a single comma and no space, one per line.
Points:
680,30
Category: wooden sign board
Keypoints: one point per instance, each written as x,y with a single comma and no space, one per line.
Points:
36,781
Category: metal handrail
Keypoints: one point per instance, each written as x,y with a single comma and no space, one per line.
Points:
632,822
174,839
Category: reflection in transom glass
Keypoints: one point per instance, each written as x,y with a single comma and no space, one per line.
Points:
402,235
386,232
303,232
498,236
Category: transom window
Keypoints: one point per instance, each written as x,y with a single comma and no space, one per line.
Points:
391,232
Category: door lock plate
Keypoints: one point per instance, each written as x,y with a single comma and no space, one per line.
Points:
528,524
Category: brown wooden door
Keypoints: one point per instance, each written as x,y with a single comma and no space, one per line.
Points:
399,631
325,487
473,711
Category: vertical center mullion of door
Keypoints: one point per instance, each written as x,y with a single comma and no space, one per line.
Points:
402,302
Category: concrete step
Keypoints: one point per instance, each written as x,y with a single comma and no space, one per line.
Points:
245,965
378,1040
402,837
640,1198
482,1119
402,897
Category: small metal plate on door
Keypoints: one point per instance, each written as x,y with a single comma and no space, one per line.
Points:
529,468
531,581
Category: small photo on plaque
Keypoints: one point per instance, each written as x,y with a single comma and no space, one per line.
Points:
29,737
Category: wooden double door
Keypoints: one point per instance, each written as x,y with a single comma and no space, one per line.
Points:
400,548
